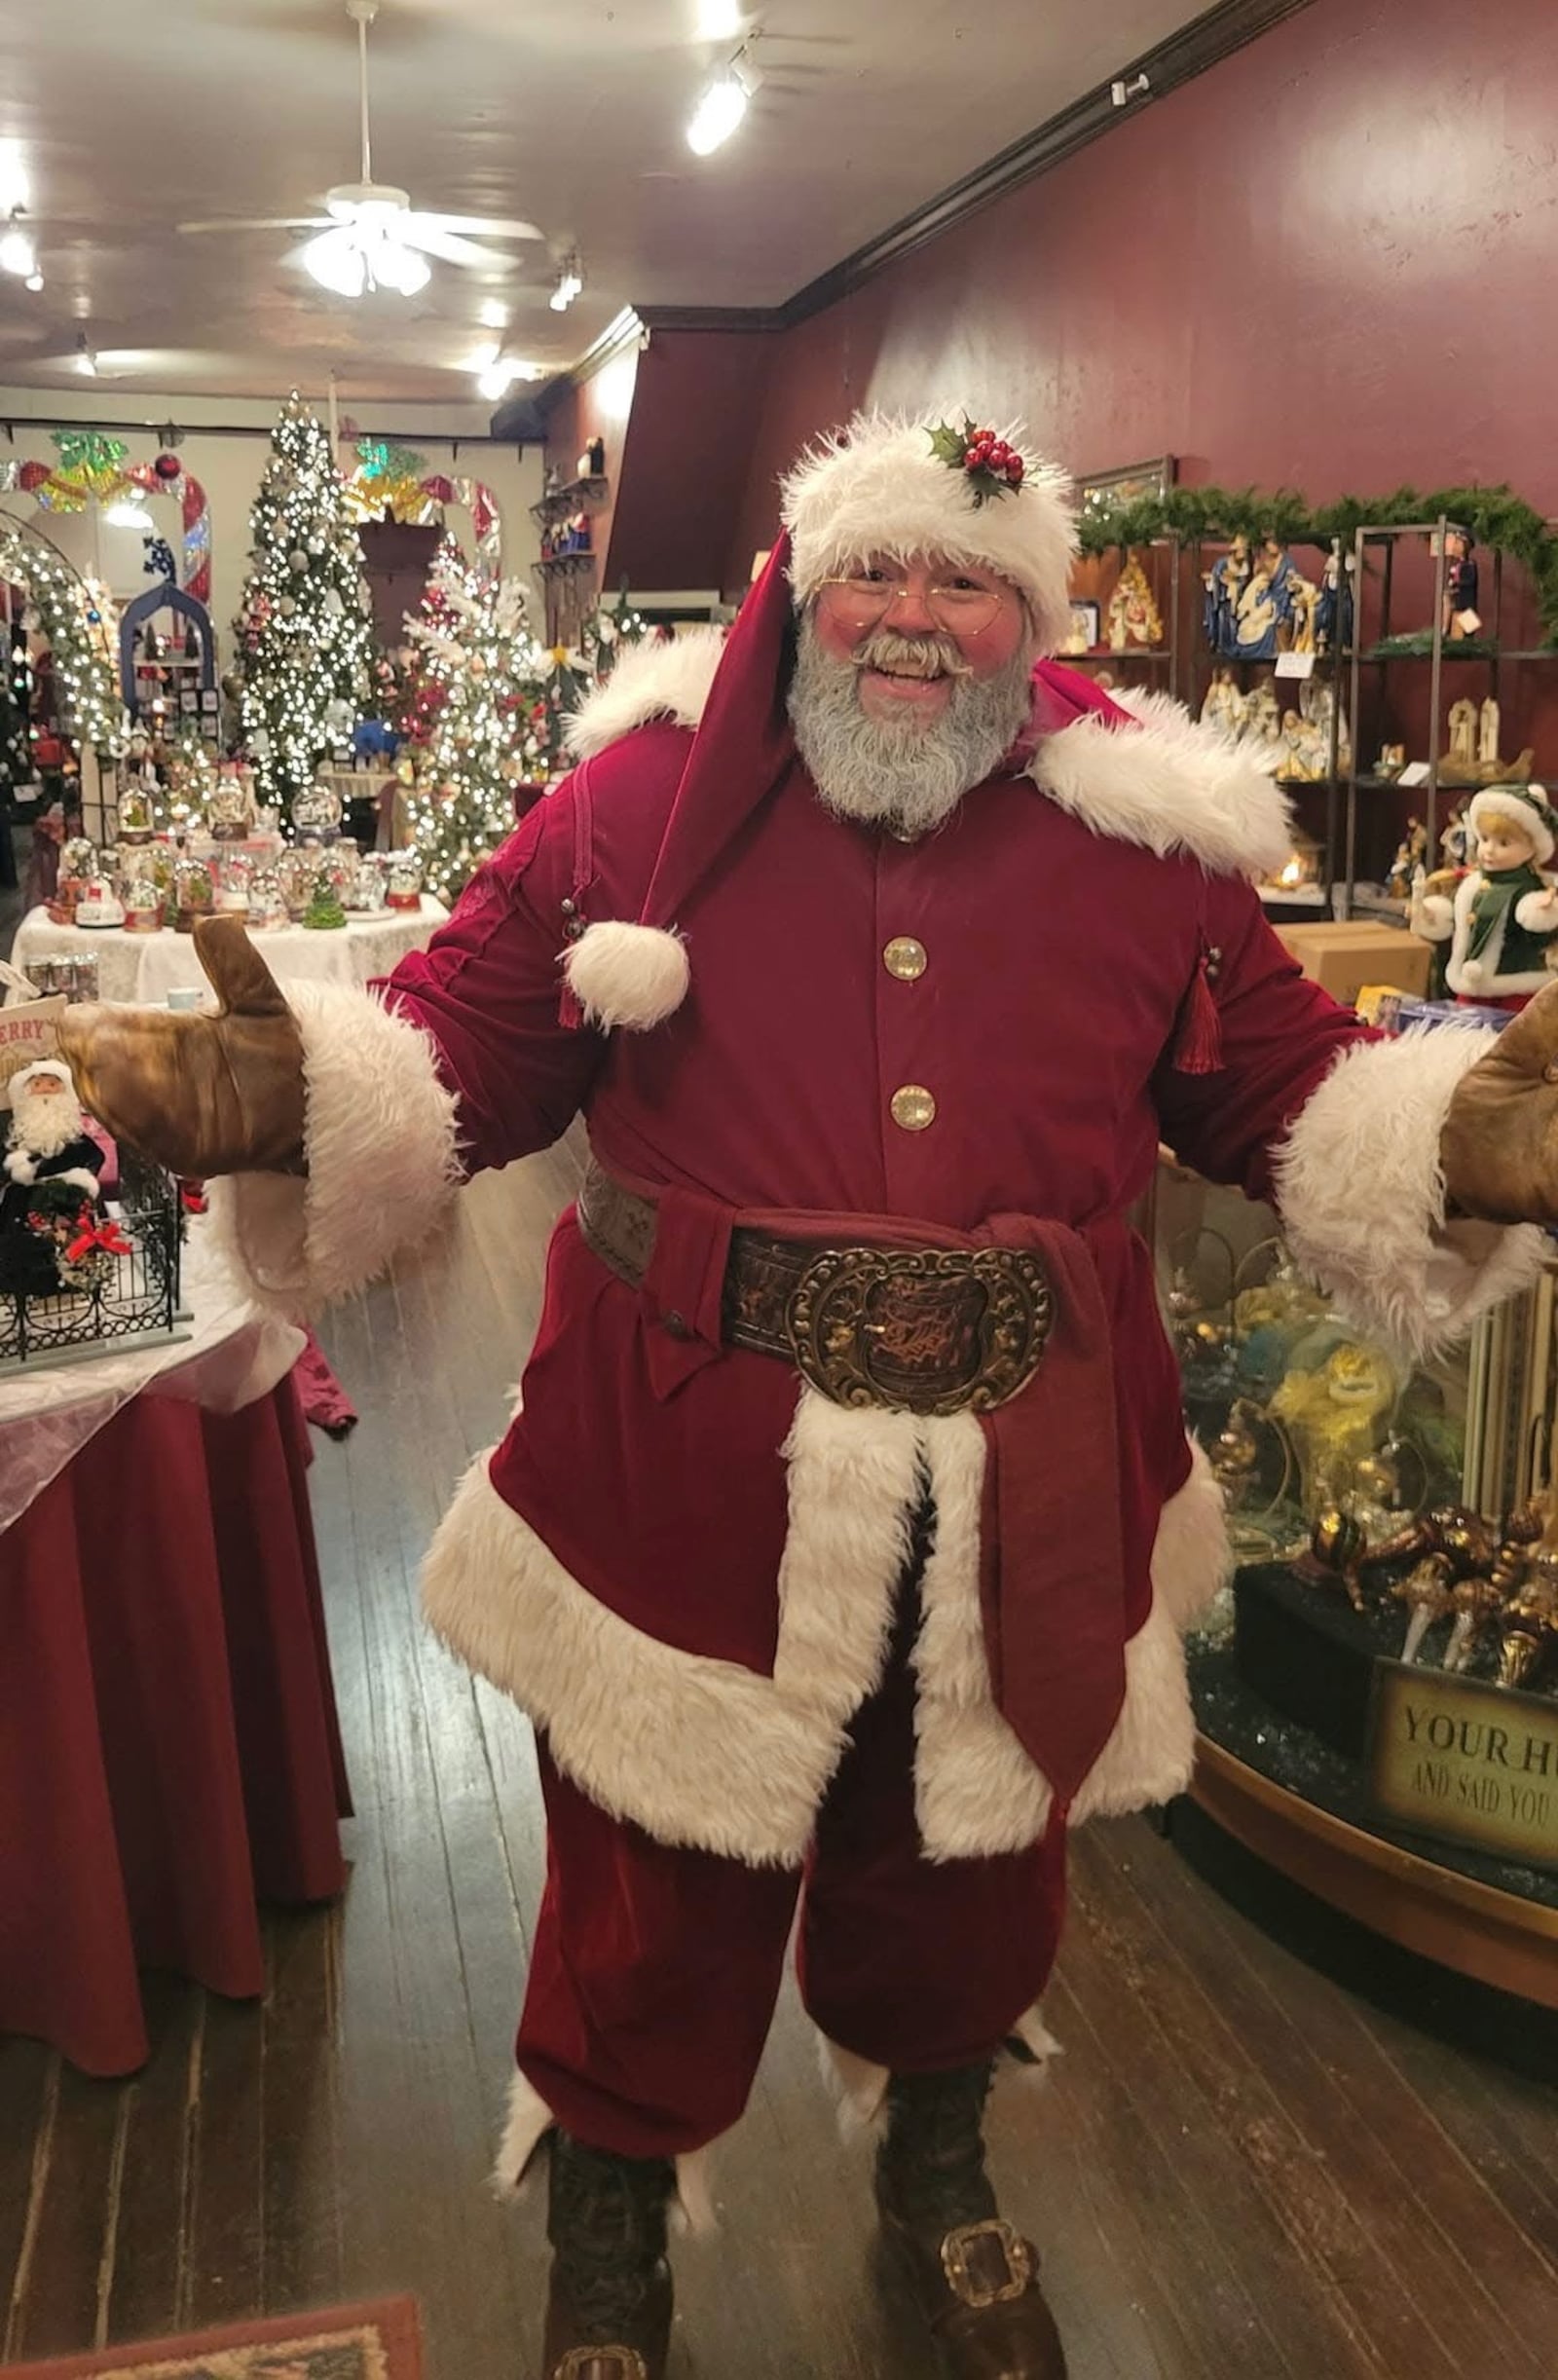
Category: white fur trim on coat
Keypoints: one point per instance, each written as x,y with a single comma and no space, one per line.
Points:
692,1749
705,1752
668,682
526,2125
1167,784
976,1791
1362,1191
380,1150
1171,786
877,487
625,973
1484,978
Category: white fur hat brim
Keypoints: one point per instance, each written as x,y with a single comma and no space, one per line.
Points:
24,1075
1528,805
877,487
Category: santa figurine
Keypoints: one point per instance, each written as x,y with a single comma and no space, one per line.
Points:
842,1540
48,1175
1501,919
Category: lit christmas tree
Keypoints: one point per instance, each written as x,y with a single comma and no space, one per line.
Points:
472,718
303,635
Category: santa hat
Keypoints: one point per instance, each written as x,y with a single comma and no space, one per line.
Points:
904,487
1527,806
17,1087
883,486
634,972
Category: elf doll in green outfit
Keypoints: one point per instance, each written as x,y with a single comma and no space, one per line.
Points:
1502,920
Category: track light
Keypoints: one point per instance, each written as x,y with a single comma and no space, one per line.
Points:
16,253
719,110
570,285
85,360
35,279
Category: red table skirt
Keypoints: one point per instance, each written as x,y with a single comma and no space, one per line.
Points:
168,1745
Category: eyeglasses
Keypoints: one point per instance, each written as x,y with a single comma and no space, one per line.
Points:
862,602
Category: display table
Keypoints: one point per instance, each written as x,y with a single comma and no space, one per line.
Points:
147,967
169,1746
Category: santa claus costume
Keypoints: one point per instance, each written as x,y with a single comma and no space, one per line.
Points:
843,1544
51,1165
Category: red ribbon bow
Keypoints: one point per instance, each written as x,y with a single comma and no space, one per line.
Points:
105,1236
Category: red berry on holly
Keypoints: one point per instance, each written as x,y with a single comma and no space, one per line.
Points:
1015,470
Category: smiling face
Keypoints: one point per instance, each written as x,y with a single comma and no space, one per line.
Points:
915,629
911,685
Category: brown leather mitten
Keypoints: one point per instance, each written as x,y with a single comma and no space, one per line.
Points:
1500,1142
198,1095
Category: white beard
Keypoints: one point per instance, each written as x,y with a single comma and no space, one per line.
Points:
907,774
42,1127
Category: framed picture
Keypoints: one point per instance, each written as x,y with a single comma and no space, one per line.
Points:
1087,628
1126,485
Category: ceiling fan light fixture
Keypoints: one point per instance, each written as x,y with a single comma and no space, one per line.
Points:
130,513
17,252
336,262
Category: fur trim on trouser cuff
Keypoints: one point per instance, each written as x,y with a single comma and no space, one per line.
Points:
530,2121
1362,1191
857,2086
380,1144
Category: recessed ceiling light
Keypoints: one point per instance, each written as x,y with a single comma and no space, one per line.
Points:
35,280
718,21
494,314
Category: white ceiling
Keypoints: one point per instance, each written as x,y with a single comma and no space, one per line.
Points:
570,115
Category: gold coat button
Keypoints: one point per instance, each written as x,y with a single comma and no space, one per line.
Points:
904,957
912,1107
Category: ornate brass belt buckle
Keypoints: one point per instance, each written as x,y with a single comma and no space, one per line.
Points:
922,1330
1015,2254
602,2364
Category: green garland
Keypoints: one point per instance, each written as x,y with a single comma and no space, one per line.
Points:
1494,518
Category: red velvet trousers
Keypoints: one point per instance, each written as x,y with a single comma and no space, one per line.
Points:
655,1969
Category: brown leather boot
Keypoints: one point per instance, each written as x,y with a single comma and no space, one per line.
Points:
608,2313
975,2279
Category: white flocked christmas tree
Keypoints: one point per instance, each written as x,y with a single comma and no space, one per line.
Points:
472,717
303,635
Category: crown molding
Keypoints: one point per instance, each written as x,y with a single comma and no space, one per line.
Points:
1196,48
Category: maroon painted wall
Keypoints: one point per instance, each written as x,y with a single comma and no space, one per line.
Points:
686,456
1330,262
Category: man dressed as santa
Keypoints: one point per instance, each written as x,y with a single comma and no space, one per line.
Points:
842,1546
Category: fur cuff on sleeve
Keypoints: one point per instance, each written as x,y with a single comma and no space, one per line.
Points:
382,1160
1363,1195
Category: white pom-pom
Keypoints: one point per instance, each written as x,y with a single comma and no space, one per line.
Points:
1472,973
630,975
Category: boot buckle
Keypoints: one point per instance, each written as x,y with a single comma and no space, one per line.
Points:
602,2364
961,2250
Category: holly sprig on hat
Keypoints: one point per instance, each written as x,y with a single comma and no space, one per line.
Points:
991,466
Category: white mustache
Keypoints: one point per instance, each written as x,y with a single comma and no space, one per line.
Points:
921,656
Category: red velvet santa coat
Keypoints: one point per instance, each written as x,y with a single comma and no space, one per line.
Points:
680,1560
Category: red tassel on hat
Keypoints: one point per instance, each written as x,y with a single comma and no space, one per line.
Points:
1199,1036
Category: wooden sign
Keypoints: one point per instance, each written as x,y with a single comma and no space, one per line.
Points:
1477,1764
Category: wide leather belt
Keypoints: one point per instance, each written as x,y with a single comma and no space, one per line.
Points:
929,1330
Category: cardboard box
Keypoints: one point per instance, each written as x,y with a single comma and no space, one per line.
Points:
1343,959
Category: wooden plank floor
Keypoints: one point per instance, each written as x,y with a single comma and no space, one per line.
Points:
1234,2170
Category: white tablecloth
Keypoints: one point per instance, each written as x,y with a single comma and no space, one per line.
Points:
147,967
231,1354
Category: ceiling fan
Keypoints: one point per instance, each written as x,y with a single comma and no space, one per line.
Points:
370,236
